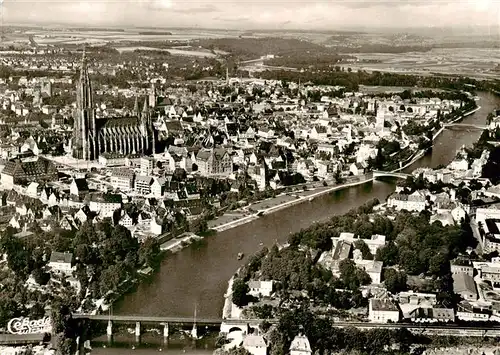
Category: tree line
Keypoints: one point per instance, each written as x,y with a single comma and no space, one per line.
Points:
352,79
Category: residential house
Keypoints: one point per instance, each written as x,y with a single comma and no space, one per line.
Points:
158,187
365,152
36,169
30,145
412,203
484,213
444,175
173,128
15,222
156,226
68,223
459,164
258,174
382,310
147,165
300,345
83,215
491,238
266,133
255,344
112,159
214,162
142,184
357,169
34,189
123,180
372,267
458,214
23,234
54,199
461,265
319,133
78,186
327,148
464,285
324,169
61,262
260,288
126,220
376,241
105,204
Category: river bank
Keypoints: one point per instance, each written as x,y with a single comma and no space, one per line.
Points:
297,198
421,153
178,243
455,120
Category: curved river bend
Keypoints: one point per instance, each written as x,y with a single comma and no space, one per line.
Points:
200,275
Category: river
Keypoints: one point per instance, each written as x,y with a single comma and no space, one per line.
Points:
199,275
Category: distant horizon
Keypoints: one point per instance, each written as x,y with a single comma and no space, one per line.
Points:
253,15
480,29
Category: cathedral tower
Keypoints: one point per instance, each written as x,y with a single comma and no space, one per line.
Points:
145,124
84,130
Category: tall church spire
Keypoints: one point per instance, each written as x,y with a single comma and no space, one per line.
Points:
85,144
136,106
85,99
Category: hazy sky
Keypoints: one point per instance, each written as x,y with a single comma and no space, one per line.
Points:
248,14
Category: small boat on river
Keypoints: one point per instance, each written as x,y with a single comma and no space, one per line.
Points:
240,256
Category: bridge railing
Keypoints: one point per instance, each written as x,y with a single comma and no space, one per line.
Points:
160,319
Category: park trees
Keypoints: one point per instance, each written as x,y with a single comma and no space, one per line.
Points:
149,252
240,292
352,276
395,281
9,308
388,254
63,328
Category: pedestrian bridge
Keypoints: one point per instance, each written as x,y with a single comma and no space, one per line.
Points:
377,173
466,126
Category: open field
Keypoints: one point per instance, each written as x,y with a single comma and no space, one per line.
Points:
453,61
45,37
174,51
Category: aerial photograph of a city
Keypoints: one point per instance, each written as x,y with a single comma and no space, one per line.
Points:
303,177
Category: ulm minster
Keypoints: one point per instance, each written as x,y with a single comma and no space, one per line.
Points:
95,135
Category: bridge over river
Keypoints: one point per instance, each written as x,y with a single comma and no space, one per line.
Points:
225,325
248,325
379,173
